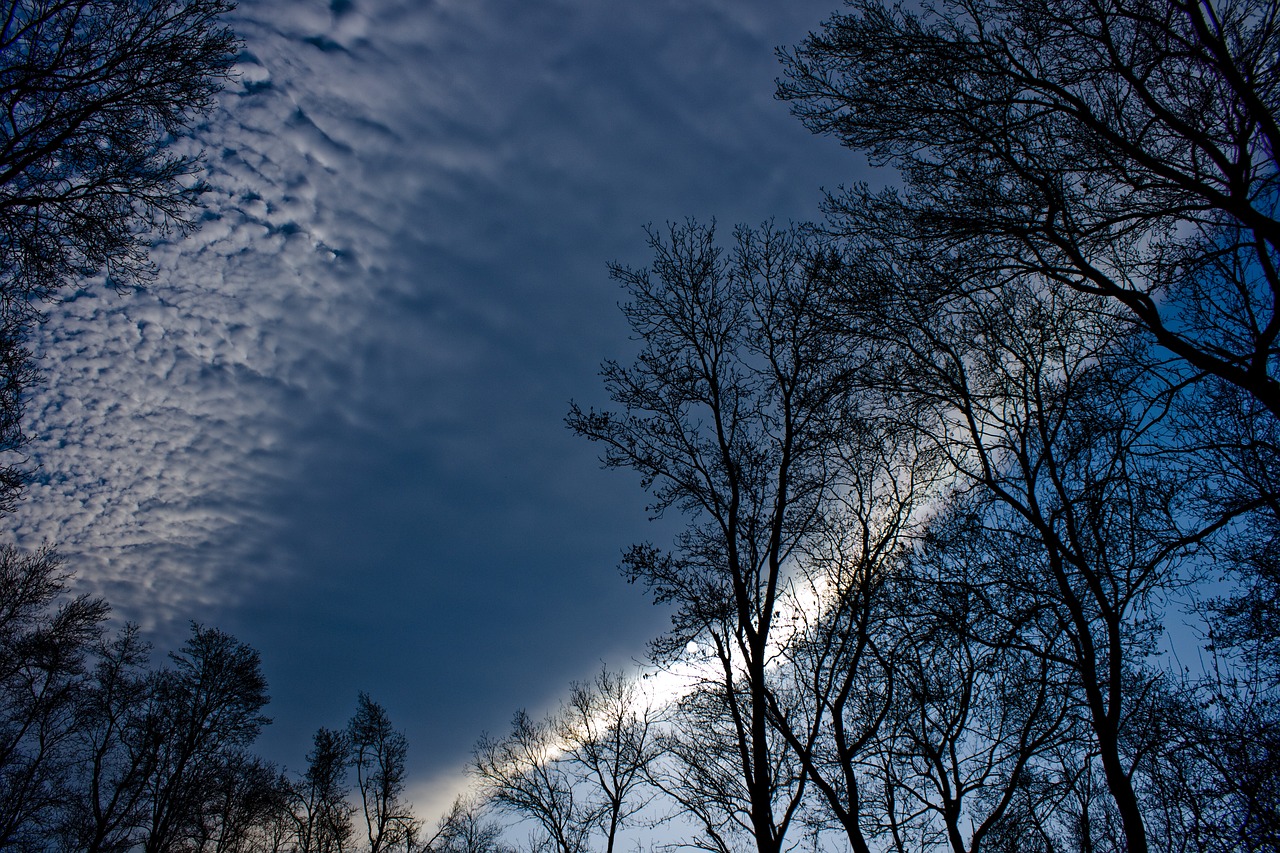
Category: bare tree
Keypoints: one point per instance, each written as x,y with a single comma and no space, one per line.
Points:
93,93
45,642
839,668
378,756
17,375
1125,149
1039,397
727,415
967,755
704,750
465,829
321,811
203,712
1235,731
273,828
522,775
578,772
101,755
609,730
242,808
105,803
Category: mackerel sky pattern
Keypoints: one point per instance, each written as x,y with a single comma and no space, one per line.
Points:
334,425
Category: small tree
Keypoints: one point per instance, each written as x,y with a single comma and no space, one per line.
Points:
608,728
45,642
465,829
321,812
579,771
729,414
522,775
105,804
100,755
378,756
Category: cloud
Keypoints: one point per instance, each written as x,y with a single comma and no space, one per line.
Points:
334,424
167,413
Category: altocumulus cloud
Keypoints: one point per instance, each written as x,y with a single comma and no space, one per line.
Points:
167,412
333,425
164,410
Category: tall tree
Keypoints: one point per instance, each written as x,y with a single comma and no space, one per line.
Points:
1040,399
203,712
1125,150
728,415
839,665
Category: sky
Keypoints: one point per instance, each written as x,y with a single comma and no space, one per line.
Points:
334,425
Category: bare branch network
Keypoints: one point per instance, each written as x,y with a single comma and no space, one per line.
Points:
953,467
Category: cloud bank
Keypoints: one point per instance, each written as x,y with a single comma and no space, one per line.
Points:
334,424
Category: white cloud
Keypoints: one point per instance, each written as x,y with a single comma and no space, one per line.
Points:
165,413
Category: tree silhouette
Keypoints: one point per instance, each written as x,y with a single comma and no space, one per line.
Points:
45,643
1125,149
203,712
322,813
729,414
378,756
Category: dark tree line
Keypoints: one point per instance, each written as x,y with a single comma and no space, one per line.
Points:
958,465
99,752
102,751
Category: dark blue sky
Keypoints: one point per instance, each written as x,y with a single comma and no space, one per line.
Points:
334,426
